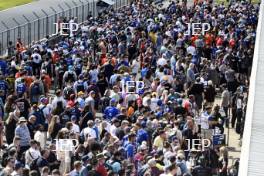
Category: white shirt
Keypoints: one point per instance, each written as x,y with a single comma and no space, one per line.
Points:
36,58
135,66
40,137
191,50
161,62
56,100
239,103
204,120
153,104
89,132
113,130
31,154
94,74
75,128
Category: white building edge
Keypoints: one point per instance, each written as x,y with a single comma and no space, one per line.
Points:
252,152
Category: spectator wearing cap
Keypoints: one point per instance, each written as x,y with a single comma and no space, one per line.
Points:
22,131
111,111
46,109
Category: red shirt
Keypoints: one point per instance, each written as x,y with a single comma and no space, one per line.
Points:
101,170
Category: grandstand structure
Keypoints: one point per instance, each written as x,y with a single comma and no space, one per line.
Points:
252,153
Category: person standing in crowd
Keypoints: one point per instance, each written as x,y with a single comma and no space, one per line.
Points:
23,133
210,93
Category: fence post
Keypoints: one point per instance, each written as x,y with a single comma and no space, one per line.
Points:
38,25
8,34
47,22
29,29
76,10
56,17
82,10
93,8
19,30
63,12
70,9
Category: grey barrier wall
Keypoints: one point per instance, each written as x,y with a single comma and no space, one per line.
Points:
44,26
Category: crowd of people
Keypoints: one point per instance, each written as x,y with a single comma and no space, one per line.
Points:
134,92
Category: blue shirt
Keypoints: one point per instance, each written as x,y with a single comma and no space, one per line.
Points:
3,66
110,112
130,150
142,135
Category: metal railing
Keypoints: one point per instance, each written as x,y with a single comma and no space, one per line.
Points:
44,26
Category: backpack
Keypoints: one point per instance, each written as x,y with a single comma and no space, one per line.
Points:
33,165
35,89
3,87
70,77
61,73
67,92
80,86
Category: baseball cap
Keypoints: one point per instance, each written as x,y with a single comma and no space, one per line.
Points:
73,117
18,165
80,93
